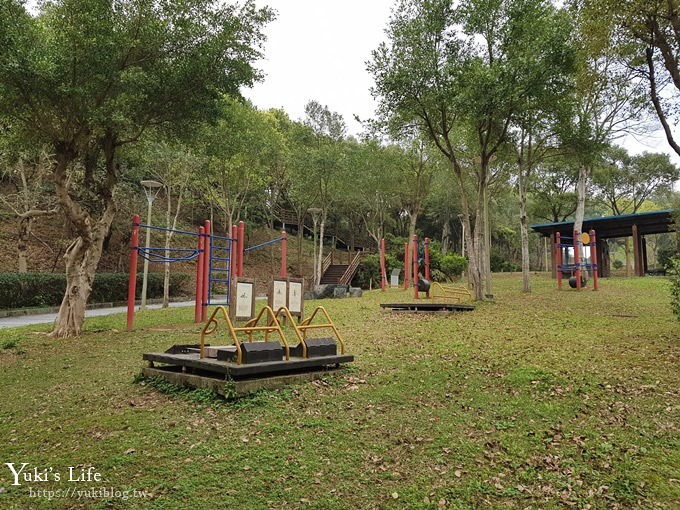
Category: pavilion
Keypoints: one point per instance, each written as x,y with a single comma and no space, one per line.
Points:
636,226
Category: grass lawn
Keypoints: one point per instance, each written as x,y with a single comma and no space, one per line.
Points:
545,400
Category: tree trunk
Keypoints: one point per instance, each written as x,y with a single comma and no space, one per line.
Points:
524,173
446,237
82,257
319,261
22,243
581,188
524,234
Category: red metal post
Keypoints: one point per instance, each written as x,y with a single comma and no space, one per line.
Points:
241,246
199,274
406,278
593,258
577,259
132,282
284,254
558,253
206,271
383,277
415,266
233,252
427,263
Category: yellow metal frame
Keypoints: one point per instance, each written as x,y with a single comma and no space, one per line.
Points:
456,294
307,324
301,329
249,328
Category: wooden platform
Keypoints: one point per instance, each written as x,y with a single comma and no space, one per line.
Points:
182,365
233,388
427,307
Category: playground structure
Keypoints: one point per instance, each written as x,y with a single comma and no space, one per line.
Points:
247,363
238,367
438,298
218,260
570,261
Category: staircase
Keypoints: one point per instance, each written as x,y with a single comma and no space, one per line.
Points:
333,274
341,274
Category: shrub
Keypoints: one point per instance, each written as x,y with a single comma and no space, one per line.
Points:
369,270
617,264
453,265
665,257
23,290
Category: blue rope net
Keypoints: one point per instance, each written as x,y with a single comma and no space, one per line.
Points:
154,254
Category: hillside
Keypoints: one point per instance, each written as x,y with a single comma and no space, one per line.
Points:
50,239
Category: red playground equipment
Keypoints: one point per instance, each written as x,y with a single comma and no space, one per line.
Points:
218,259
570,262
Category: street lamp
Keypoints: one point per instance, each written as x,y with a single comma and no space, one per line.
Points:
151,189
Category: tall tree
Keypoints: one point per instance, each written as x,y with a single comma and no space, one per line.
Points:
455,71
549,81
237,151
327,159
89,76
607,97
646,33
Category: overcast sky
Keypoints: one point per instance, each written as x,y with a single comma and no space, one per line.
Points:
318,49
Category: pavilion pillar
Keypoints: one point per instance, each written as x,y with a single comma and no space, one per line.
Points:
637,252
553,255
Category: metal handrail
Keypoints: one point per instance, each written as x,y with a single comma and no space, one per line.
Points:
212,325
326,263
351,269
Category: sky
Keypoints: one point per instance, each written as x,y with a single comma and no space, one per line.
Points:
318,49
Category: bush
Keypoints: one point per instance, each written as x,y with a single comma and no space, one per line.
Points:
674,278
665,257
369,270
23,290
453,265
617,264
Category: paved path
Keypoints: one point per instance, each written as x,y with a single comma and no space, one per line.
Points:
44,318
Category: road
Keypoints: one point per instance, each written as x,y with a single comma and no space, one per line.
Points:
45,318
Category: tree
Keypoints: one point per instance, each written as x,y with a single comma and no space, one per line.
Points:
455,72
88,77
607,98
646,33
28,172
236,149
553,191
548,82
326,159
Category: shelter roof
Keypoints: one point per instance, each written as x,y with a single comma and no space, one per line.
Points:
656,222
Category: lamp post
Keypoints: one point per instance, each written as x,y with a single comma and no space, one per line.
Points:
151,189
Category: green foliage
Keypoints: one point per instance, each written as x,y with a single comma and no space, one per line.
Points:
674,279
665,257
23,290
196,395
369,270
618,264
453,265
501,265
